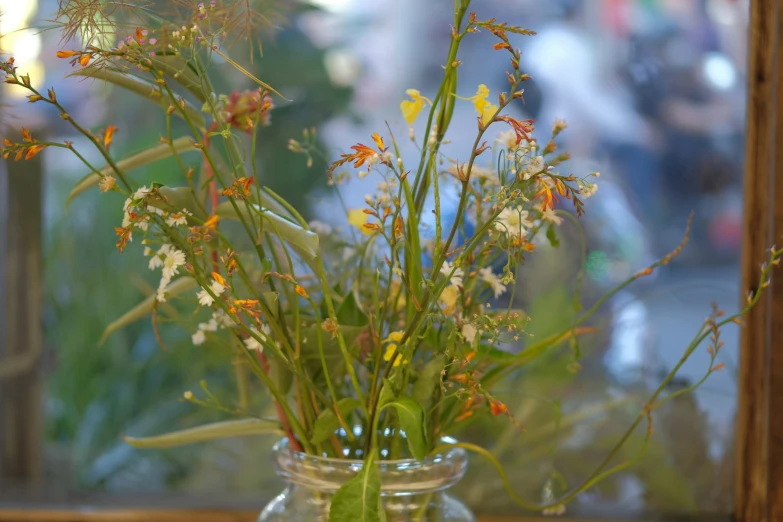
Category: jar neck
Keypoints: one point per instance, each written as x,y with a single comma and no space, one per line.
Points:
405,477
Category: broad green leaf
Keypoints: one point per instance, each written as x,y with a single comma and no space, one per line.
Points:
551,235
335,362
359,499
494,355
145,157
411,417
327,422
143,88
305,241
178,69
218,430
349,313
428,379
387,394
183,284
179,198
280,374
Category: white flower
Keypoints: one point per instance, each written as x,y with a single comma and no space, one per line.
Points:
513,222
252,343
155,262
469,332
198,337
205,299
147,252
319,227
209,326
171,263
551,216
157,258
535,165
223,319
486,275
587,189
178,218
164,282
362,174
507,139
456,277
142,192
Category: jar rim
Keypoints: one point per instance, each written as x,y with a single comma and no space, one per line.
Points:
283,445
405,476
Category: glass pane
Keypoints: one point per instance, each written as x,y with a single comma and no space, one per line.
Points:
653,94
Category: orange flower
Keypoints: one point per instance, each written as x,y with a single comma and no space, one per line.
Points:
378,141
248,305
107,136
497,407
84,59
212,222
219,278
124,236
522,128
243,110
301,291
546,193
32,151
242,183
26,135
67,54
362,155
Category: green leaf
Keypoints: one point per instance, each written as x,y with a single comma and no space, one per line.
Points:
179,198
411,416
218,430
143,88
335,362
183,284
179,70
551,235
304,241
280,374
494,355
359,499
145,157
387,394
349,313
327,422
428,379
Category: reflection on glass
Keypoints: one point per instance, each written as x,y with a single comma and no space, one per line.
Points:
650,90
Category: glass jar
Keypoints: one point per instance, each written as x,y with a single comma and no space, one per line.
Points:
410,490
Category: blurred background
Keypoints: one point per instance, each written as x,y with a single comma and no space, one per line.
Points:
654,95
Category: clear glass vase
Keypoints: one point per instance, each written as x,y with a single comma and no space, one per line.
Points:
410,490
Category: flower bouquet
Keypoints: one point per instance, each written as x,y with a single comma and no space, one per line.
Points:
375,344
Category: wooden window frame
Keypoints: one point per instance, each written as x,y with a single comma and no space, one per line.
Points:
758,494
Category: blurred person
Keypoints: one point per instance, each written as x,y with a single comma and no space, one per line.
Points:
677,74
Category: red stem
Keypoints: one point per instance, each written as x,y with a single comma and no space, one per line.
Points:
289,433
213,192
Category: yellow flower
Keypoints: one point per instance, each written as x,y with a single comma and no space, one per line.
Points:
485,109
389,353
358,218
449,298
394,337
411,108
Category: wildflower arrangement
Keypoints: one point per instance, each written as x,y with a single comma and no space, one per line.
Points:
373,343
